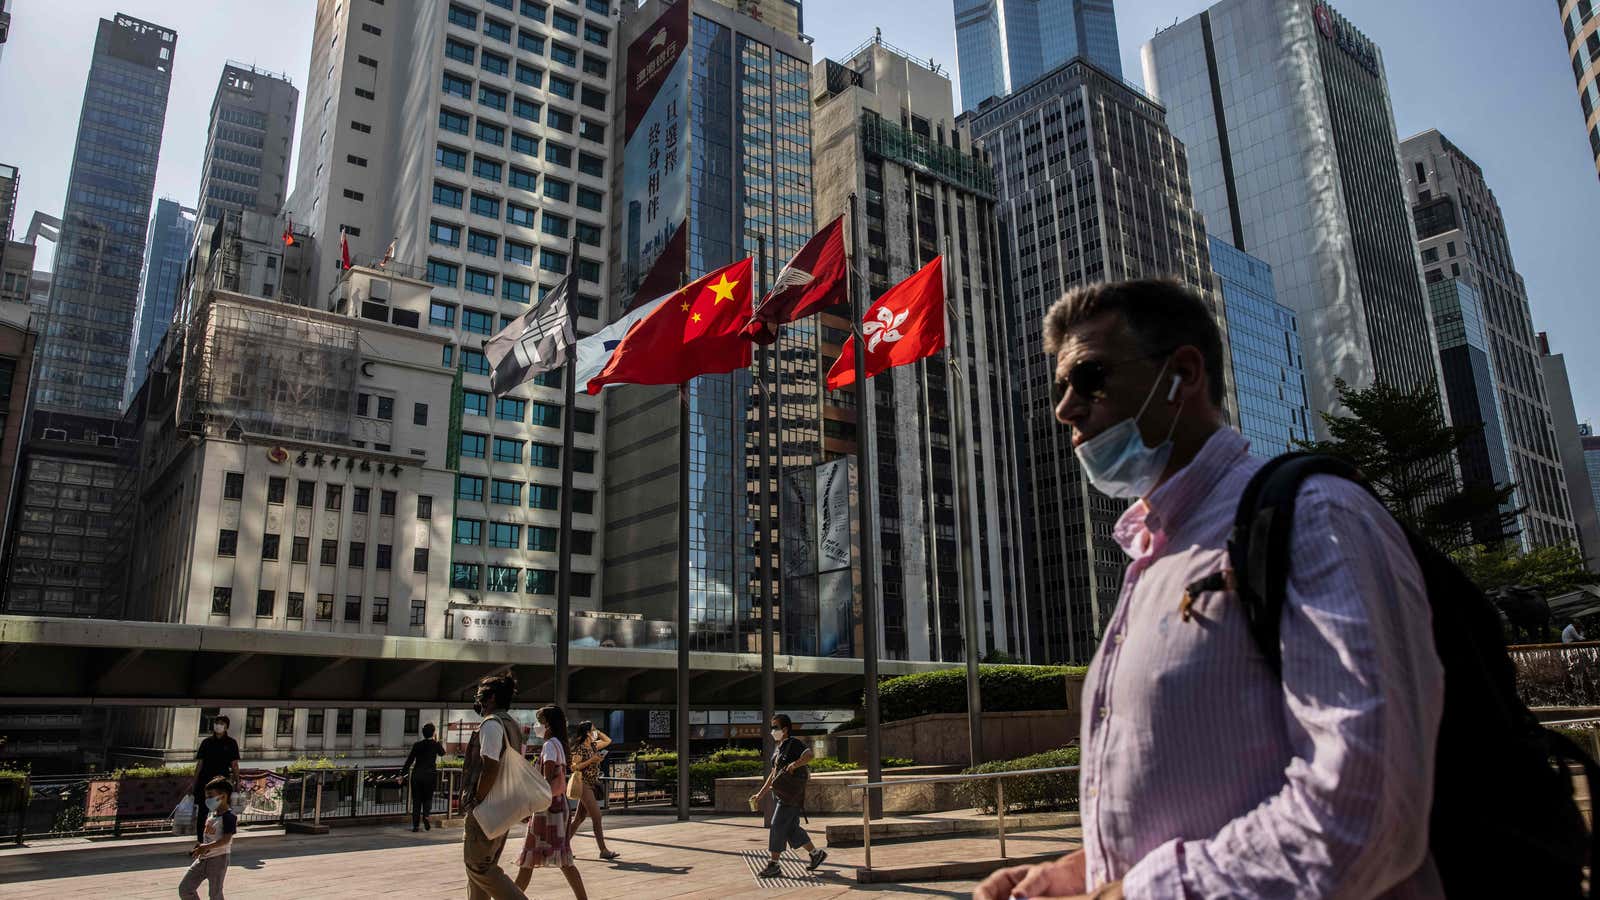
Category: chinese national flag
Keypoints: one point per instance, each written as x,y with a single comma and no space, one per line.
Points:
813,280
695,332
905,325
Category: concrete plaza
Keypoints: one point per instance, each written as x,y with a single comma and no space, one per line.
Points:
704,858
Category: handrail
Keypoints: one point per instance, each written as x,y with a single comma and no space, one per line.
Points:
946,779
999,803
1591,720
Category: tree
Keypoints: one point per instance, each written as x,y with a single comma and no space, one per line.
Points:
1548,571
1401,442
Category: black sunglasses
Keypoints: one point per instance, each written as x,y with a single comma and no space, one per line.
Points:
1088,377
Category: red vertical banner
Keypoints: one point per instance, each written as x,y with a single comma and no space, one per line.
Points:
655,179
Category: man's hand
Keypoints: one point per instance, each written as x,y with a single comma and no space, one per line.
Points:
1062,878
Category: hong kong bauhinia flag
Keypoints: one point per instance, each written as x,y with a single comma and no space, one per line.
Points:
694,331
812,281
905,325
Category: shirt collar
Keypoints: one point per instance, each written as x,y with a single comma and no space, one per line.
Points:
1175,499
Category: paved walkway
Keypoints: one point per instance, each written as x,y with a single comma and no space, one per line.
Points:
705,858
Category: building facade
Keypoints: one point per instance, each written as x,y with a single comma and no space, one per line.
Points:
16,273
76,464
1462,235
1264,342
166,251
1471,393
885,128
471,136
1582,28
1575,442
738,90
1284,107
1092,187
85,345
248,143
1002,45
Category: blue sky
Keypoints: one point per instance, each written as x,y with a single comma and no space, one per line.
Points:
1493,75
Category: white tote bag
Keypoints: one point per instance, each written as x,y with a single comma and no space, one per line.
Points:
519,791
183,816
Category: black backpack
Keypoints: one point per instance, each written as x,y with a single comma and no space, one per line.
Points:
1503,823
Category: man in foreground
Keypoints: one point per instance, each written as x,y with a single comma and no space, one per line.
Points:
1203,773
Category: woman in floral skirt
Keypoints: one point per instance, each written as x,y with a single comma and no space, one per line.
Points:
548,843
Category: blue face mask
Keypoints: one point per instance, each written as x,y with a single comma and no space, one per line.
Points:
212,803
1117,461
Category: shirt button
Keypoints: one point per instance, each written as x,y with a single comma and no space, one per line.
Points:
1120,635
1094,791
1105,712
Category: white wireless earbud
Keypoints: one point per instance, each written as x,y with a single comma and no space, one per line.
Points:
1176,380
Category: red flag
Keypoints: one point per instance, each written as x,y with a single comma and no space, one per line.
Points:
344,248
905,325
288,234
695,332
812,281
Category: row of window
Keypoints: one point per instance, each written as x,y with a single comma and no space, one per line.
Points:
267,601
455,84
476,281
454,158
473,362
316,720
527,41
509,450
509,493
300,551
449,195
332,495
508,536
506,579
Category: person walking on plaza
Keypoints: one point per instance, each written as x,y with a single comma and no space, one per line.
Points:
422,768
497,734
1204,773
218,756
588,749
549,841
210,855
787,783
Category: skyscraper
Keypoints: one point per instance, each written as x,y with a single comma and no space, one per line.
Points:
166,252
739,91
1264,343
1092,187
1462,235
1284,107
1002,45
1583,45
885,128
248,143
98,260
76,460
1580,450
471,137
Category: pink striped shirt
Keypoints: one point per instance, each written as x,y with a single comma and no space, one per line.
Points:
1204,775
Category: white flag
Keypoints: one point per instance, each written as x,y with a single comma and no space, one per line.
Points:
594,351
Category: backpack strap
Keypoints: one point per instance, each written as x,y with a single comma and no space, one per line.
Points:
1258,547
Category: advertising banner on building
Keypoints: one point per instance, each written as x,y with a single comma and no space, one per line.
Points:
538,626
655,158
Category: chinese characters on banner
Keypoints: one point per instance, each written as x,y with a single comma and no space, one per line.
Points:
655,183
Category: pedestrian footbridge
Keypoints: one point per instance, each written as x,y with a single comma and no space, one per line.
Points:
51,661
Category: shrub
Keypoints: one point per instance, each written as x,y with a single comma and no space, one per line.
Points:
1003,689
450,762
154,772
703,775
311,764
1028,792
731,754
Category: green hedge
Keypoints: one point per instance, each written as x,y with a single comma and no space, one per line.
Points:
154,772
1003,688
1028,792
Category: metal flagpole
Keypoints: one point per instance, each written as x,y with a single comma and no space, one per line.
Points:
681,726
969,606
564,548
865,498
768,575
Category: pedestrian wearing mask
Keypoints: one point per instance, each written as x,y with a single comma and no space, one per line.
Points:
787,783
497,735
588,749
1205,772
218,757
549,841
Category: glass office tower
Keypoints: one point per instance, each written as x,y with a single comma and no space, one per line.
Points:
1004,44
167,252
101,251
1264,341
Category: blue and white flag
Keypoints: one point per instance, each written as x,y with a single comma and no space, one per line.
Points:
594,351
